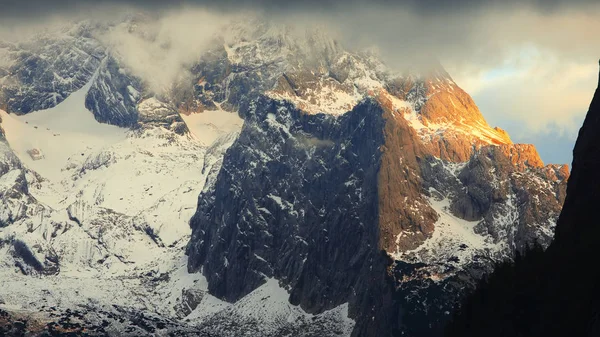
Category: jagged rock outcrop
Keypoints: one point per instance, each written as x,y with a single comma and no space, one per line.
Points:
551,293
43,71
402,205
445,116
17,203
297,209
314,71
114,95
154,113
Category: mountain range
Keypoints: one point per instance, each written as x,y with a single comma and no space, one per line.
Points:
283,185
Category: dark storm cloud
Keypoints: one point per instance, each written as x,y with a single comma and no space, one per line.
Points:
35,8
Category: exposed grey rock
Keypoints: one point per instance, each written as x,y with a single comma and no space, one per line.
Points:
114,95
304,214
190,298
48,68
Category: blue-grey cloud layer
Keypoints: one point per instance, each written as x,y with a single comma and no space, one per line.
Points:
35,8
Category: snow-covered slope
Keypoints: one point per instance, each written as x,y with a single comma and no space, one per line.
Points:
454,241
65,134
107,234
109,210
209,125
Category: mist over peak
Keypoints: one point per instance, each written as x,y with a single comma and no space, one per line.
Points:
483,46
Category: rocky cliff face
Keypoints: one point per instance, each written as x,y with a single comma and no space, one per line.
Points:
544,293
114,95
40,73
320,180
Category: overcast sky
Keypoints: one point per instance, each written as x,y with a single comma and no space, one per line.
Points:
531,66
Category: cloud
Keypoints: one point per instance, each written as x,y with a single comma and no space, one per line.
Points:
465,34
34,8
472,39
554,145
536,88
162,50
539,98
